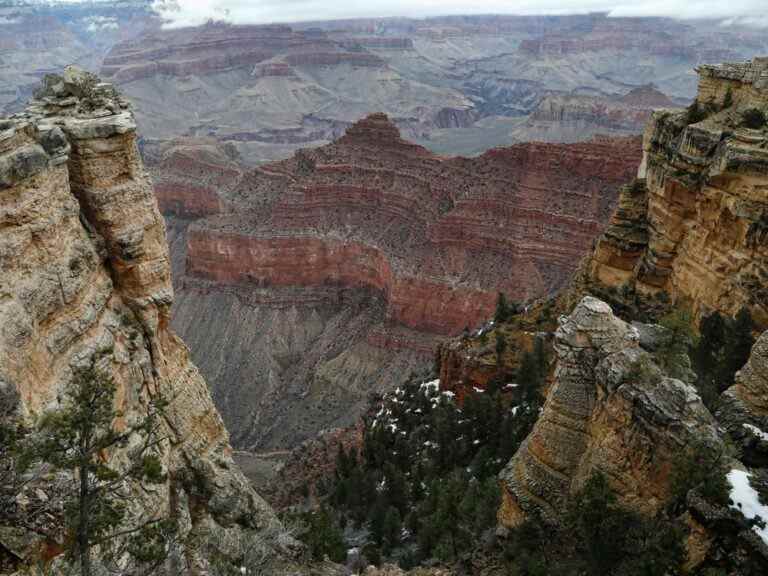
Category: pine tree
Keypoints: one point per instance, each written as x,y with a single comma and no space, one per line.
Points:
601,525
78,437
503,311
708,357
501,346
324,537
392,526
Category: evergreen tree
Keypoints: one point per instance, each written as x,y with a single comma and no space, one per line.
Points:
392,526
503,310
324,538
79,437
501,346
601,525
708,357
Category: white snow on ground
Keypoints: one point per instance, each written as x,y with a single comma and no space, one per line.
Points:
757,432
477,390
745,499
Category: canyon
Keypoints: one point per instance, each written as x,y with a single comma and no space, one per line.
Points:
457,85
331,275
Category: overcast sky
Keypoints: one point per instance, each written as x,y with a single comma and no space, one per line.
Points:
195,12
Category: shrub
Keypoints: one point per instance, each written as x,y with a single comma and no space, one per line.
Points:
700,468
695,113
753,118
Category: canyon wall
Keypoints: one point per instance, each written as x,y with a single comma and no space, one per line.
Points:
333,274
85,279
694,225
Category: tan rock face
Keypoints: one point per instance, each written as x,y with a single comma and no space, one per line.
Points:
699,233
602,414
85,273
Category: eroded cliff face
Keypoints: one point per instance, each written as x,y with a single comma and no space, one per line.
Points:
694,225
334,273
603,413
85,276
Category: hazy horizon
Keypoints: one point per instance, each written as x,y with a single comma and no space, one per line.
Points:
195,12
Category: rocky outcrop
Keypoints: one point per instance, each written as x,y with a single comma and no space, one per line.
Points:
352,259
609,409
85,277
695,225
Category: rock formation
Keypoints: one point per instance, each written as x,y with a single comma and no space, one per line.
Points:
344,263
694,226
85,276
575,117
609,409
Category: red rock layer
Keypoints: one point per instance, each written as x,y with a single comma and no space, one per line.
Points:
188,176
437,237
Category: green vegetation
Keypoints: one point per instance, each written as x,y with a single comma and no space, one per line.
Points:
695,113
720,349
598,537
424,485
505,310
613,540
323,536
78,437
702,469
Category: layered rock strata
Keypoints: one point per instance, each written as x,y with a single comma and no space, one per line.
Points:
699,232
609,409
437,240
576,117
85,277
350,260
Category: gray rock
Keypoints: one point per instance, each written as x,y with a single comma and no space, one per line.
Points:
21,163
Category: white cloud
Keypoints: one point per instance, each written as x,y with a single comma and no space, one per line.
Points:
195,12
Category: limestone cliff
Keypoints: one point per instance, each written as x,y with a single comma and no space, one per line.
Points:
695,224
85,274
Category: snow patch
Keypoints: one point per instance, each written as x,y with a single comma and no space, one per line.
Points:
757,432
746,500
